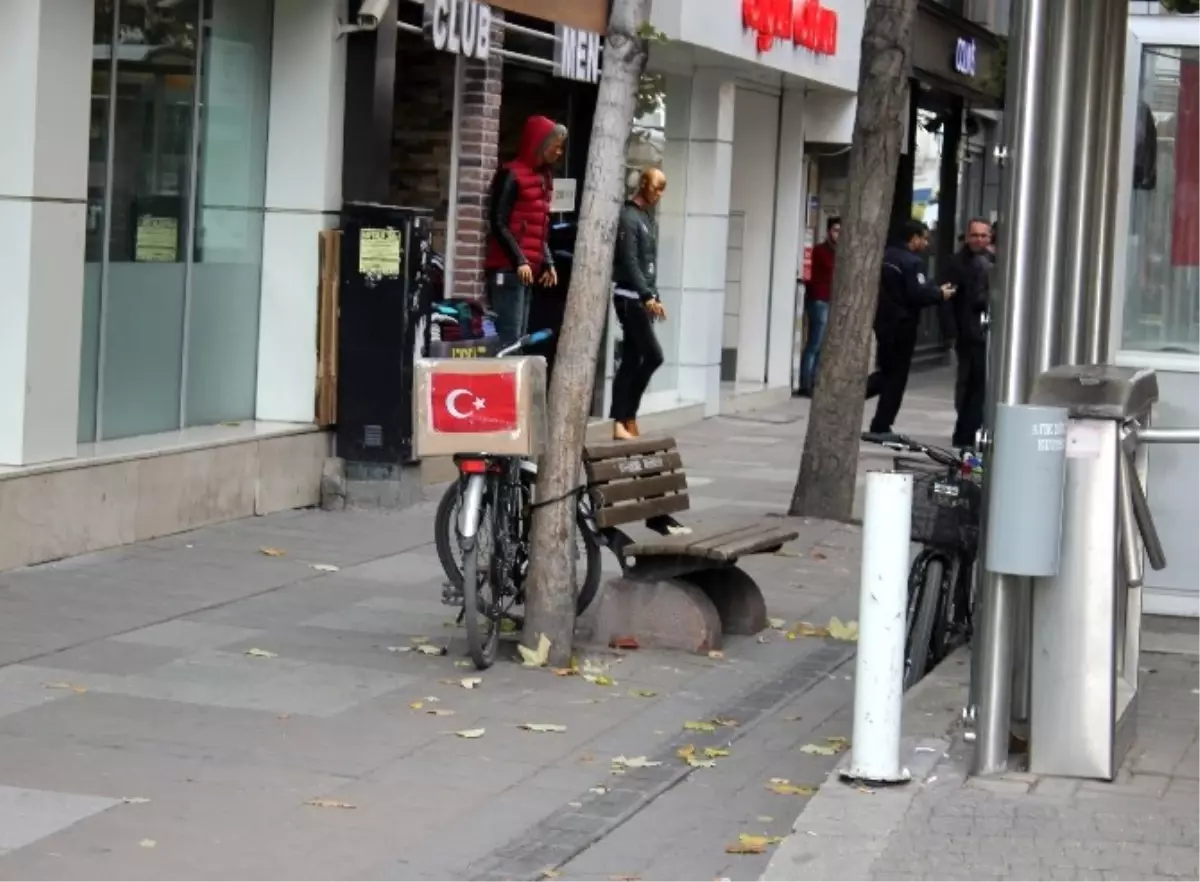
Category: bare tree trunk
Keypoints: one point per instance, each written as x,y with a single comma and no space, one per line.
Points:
829,465
550,602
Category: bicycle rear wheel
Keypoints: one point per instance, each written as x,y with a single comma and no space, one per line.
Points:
927,578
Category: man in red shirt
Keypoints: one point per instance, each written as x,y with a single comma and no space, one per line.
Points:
816,303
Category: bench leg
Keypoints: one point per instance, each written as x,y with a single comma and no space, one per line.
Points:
738,599
664,614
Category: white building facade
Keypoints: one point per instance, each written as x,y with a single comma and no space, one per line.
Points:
737,109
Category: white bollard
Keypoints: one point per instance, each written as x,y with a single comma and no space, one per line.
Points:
883,605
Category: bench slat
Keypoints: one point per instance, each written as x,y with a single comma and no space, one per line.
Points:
639,488
752,544
719,543
621,449
600,472
639,511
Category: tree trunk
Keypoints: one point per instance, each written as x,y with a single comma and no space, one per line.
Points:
550,599
829,465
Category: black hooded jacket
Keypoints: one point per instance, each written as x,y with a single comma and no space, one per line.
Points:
635,260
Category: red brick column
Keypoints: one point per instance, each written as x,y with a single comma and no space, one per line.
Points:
479,134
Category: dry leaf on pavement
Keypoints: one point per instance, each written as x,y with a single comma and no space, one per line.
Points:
261,653
535,658
272,552
330,803
147,843
563,672
508,626
727,722
134,800
714,752
325,568
818,750
840,630
470,682
78,690
696,763
686,751
548,874
716,654
699,726
634,762
440,712
416,705
600,679
542,727
806,629
598,789
464,663
784,787
430,649
470,733
777,624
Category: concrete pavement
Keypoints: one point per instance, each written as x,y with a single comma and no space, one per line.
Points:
192,707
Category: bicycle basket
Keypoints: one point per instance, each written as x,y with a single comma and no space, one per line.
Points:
945,510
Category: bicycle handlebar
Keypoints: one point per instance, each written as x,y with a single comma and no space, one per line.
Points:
528,340
903,442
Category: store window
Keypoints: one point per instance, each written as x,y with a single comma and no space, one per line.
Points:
176,189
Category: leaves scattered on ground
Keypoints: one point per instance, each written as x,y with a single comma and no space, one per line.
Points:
470,733
272,552
833,745
542,727
806,629
325,568
330,804
839,630
535,658
78,690
634,762
784,787
470,682
700,726
261,653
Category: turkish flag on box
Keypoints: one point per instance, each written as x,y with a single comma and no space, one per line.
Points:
472,403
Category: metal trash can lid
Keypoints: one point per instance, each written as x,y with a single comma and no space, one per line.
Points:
1097,391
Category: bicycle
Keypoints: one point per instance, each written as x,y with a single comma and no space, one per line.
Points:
494,495
947,502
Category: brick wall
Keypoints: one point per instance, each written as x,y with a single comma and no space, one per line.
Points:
479,132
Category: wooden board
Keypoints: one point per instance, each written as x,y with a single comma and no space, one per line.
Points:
621,449
721,542
615,515
636,466
639,488
329,245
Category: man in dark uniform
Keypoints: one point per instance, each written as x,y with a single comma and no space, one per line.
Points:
969,273
903,292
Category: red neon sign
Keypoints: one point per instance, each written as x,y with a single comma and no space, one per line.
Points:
803,23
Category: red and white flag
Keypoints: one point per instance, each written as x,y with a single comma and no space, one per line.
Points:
462,403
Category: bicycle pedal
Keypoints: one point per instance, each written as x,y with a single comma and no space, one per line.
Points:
451,596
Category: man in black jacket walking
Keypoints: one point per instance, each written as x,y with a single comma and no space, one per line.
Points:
903,292
636,301
969,273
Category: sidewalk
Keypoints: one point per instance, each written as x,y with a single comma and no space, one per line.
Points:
141,738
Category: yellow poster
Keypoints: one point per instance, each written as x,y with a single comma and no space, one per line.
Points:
379,252
157,239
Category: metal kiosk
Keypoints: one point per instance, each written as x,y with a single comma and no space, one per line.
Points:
1087,618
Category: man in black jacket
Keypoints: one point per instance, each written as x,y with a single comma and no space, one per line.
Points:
636,301
969,273
903,292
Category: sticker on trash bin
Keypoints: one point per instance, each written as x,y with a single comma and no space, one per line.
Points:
1049,436
1084,440
379,252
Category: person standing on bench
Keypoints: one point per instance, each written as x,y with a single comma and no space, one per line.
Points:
518,250
636,301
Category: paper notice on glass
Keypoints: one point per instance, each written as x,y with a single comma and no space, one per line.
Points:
379,252
157,239
1084,440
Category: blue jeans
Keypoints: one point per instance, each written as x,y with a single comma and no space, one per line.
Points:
817,312
510,300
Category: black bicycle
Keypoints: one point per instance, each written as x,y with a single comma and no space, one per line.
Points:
947,503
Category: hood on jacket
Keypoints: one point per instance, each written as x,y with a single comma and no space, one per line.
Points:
535,137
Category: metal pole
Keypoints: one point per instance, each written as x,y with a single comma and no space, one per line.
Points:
1107,179
1081,198
1024,98
883,600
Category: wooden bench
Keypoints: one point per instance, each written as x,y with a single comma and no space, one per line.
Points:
643,482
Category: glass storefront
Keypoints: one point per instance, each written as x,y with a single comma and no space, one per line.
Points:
176,184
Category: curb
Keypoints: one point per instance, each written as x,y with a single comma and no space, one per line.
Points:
844,828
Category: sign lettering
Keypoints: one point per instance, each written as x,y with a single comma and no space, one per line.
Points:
577,54
460,27
803,23
964,57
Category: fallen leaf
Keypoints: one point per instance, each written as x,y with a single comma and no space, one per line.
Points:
698,726
542,727
635,762
272,552
786,788
716,654
777,624
330,803
416,705
470,733
535,658
794,718
623,643
431,699
696,763
135,800
261,653
686,751
440,712
753,847
818,750
600,679
598,789
727,722
147,843
847,631
470,682
430,649
806,629
508,626
838,742
642,693
548,874
713,752
463,663
563,672
78,690
415,641
325,568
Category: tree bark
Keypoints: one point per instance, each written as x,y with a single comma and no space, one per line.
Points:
550,598
829,465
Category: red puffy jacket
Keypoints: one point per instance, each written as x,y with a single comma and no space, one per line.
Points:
519,207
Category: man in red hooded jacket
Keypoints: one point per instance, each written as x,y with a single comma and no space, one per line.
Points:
518,249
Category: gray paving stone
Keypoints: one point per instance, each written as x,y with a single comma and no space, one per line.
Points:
29,815
187,636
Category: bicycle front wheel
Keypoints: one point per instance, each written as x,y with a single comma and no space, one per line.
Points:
481,607
928,573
